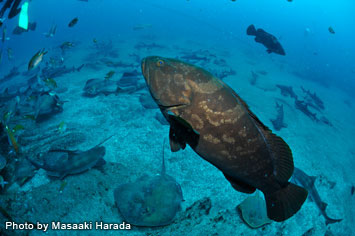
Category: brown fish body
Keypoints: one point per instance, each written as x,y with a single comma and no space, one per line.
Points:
209,116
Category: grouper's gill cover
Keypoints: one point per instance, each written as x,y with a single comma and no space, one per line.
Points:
218,125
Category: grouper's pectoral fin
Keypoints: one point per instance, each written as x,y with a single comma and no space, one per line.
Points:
175,144
181,132
240,185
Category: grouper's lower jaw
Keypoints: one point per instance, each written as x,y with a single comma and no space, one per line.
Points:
171,107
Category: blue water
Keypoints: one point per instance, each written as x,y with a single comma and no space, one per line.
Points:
225,22
315,58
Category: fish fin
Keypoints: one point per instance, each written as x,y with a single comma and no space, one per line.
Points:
239,185
323,205
285,202
282,156
100,162
329,220
313,179
251,30
181,132
175,145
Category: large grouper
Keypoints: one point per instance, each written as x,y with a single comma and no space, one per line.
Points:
208,115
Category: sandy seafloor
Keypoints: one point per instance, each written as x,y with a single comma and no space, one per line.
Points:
135,150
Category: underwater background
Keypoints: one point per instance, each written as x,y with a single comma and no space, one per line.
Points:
306,97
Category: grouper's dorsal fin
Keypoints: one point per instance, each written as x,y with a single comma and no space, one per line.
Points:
282,157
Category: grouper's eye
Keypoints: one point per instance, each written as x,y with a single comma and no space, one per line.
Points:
160,63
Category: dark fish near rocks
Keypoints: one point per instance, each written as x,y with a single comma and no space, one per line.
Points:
60,163
208,115
94,87
266,39
301,178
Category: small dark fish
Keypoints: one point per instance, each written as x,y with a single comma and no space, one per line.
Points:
109,74
352,190
36,59
278,122
18,30
65,46
73,22
266,39
307,182
331,30
303,107
287,91
217,124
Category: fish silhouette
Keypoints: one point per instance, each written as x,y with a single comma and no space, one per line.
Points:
218,125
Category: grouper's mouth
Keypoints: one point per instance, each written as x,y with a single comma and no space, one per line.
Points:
170,107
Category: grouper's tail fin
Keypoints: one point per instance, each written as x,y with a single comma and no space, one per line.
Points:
251,30
285,202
